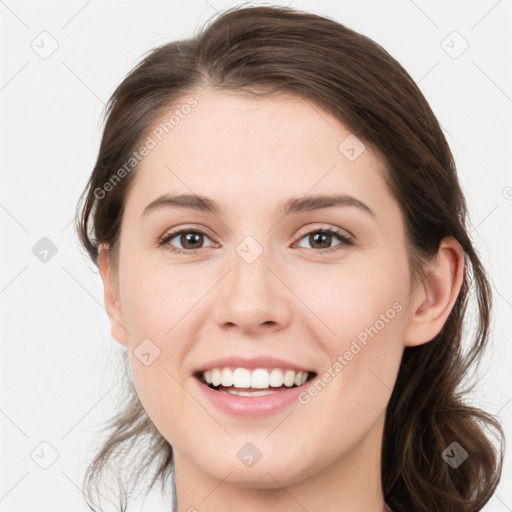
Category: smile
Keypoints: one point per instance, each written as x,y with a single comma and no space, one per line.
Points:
253,381
252,386
252,392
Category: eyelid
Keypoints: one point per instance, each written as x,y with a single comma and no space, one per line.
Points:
178,230
305,231
333,229
346,239
173,233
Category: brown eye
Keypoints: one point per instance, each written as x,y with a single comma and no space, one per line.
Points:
190,240
322,239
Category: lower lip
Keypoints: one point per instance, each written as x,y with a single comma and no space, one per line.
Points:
254,406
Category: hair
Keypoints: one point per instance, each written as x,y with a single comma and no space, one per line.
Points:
262,51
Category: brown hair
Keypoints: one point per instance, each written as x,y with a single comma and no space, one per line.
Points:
265,50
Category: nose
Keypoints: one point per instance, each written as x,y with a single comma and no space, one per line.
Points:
252,296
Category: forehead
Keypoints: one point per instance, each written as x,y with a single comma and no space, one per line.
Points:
243,122
260,147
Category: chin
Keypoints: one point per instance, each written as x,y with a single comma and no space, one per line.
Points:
273,470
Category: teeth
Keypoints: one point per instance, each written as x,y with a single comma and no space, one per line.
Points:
241,378
249,393
258,378
216,377
276,378
289,378
227,377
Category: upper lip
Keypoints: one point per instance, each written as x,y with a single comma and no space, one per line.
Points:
252,362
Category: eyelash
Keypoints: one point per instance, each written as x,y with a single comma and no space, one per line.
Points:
344,239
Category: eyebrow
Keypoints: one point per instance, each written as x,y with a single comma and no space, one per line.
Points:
292,205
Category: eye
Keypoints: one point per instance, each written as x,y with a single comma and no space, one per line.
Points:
325,236
190,240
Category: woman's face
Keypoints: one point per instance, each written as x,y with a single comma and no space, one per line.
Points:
258,282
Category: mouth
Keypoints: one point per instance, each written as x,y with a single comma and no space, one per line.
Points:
253,382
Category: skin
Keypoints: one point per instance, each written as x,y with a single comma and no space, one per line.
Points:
294,301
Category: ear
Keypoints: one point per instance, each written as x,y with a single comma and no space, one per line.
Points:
111,296
433,298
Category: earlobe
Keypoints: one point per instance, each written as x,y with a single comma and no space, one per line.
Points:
433,299
111,296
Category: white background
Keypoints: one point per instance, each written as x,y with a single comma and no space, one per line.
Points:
58,373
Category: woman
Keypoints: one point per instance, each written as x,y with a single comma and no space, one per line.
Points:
281,235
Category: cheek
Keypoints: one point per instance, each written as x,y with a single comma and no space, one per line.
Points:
154,306
155,297
362,318
355,302
162,397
